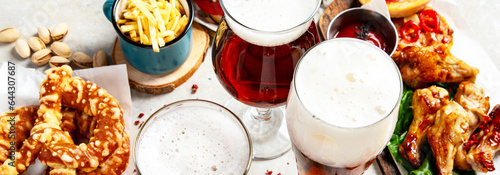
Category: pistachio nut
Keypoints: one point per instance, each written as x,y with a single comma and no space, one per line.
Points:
22,48
100,58
58,61
82,60
44,34
36,44
41,57
59,32
60,49
9,35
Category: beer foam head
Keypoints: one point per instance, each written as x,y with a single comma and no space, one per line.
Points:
345,104
193,140
269,22
348,83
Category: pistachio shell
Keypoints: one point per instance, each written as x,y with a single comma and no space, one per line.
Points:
60,31
60,49
36,44
82,60
9,35
58,61
100,58
41,57
44,34
22,48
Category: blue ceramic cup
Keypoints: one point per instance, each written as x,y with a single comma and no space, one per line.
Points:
142,57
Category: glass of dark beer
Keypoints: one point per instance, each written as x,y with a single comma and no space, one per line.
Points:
343,106
254,53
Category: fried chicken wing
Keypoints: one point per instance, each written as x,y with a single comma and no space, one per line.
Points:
482,151
449,131
422,65
472,98
425,103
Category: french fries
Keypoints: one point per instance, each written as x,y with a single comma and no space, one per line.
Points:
153,22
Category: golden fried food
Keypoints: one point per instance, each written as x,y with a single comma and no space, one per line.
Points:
447,125
425,103
423,53
447,134
472,98
153,22
427,32
485,143
422,65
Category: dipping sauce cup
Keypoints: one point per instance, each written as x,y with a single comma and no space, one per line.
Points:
142,57
365,24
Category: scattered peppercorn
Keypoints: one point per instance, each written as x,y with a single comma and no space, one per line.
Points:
136,122
194,88
269,172
141,115
364,29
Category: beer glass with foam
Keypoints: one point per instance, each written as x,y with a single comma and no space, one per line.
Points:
193,137
343,106
254,53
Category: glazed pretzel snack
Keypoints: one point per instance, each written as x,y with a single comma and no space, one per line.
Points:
79,125
15,127
81,128
107,151
12,136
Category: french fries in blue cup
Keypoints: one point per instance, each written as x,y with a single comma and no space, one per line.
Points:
155,35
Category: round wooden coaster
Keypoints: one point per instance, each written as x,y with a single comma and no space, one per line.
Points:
158,84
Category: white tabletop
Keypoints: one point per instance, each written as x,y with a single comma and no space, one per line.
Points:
91,31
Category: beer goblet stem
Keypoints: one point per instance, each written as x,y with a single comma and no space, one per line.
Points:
262,114
264,125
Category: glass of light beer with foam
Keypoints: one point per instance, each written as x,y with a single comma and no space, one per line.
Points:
193,137
343,106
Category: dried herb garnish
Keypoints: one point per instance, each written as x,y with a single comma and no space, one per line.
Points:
364,29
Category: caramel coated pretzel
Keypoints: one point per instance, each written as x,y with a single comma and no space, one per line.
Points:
107,151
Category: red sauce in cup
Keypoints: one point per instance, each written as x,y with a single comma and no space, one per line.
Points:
365,32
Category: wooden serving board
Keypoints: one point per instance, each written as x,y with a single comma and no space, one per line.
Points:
158,84
331,11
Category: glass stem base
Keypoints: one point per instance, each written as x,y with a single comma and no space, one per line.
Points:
269,139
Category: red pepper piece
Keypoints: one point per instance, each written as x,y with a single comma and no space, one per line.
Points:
410,31
429,20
